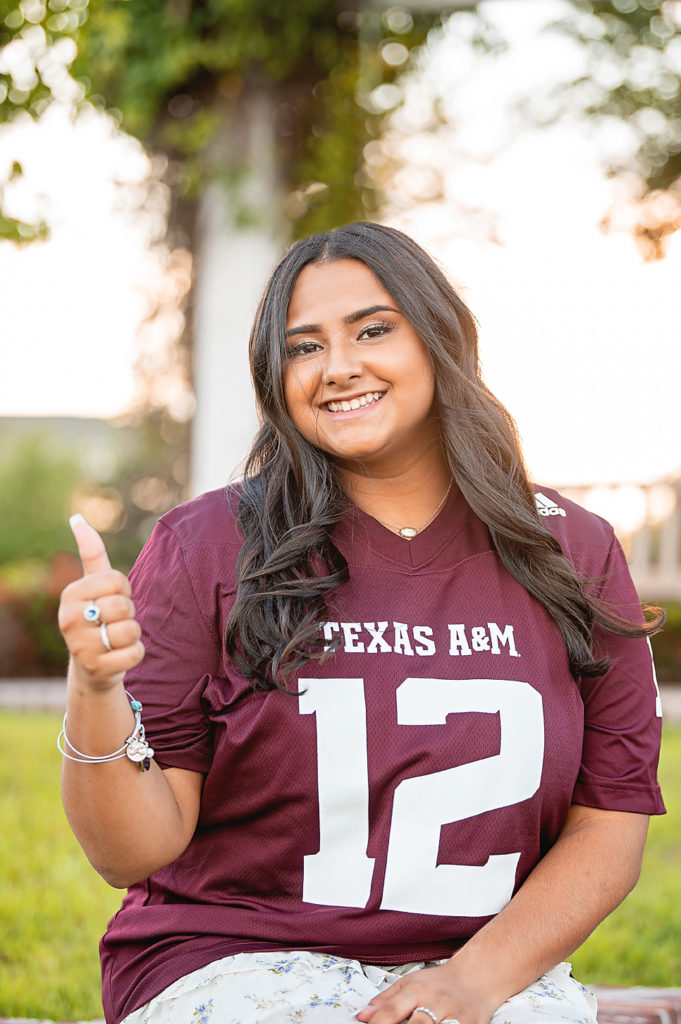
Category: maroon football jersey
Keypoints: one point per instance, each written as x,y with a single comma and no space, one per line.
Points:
396,802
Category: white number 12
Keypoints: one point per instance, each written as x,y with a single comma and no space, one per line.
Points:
340,873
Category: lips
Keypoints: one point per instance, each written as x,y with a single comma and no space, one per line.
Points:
351,404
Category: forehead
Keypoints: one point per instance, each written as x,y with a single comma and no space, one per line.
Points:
329,291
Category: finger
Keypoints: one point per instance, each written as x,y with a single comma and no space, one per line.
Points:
110,592
404,1001
102,666
91,588
396,1011
375,1004
115,607
90,546
378,1003
122,660
115,664
123,634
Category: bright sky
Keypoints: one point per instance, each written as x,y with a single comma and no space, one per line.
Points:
71,306
579,337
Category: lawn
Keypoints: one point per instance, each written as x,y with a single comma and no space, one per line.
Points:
640,943
54,907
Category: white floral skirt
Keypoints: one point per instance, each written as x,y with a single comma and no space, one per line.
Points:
317,988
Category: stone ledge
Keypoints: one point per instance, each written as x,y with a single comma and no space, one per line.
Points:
615,1006
638,1005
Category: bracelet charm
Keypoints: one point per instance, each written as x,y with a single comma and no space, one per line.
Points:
135,748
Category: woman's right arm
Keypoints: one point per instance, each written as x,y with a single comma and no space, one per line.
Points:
130,823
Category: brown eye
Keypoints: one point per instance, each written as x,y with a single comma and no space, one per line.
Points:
304,348
376,330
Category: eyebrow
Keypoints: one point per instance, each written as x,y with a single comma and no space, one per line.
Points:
351,318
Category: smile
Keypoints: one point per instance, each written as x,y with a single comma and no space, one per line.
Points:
356,403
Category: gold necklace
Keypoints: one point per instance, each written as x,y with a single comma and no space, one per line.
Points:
408,532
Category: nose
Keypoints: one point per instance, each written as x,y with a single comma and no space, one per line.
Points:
343,362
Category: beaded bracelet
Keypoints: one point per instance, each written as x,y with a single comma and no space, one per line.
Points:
135,747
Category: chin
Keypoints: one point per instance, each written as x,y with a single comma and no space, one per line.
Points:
363,456
358,451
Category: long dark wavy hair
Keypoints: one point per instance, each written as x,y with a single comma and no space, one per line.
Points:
291,500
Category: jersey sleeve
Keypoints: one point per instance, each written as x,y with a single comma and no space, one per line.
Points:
622,712
182,655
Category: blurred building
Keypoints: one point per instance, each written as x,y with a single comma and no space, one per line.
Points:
95,443
647,521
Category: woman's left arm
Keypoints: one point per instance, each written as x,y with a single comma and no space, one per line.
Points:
592,866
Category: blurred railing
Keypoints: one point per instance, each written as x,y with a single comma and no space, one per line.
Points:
647,521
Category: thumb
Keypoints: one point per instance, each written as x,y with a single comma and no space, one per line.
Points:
90,546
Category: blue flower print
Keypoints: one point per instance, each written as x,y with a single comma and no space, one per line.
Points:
203,1011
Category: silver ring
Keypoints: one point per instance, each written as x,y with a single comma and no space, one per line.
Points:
92,613
450,1020
104,635
424,1009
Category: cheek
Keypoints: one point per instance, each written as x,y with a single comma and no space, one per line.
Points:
427,376
423,400
299,389
419,374
415,363
432,390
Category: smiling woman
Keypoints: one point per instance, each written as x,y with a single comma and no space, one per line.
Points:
359,382
389,717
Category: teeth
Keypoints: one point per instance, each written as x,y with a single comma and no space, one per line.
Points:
355,403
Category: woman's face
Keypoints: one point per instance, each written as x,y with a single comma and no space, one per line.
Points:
358,381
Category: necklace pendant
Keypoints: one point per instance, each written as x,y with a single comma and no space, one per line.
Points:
408,532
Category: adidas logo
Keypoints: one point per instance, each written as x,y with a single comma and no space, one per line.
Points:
546,507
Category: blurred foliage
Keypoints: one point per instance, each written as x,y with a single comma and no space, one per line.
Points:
667,646
121,477
36,484
47,476
634,75
135,471
175,74
11,227
37,481
409,163
31,645
181,76
149,480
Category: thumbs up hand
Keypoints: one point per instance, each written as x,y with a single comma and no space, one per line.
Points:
91,548
97,616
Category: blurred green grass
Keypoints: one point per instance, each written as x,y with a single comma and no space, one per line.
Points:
54,907
640,943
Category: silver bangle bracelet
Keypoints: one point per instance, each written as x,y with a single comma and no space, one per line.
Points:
135,748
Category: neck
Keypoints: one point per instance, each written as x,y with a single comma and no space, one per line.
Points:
405,496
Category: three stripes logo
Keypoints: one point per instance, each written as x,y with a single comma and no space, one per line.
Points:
546,507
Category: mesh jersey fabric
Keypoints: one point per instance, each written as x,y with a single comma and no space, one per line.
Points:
394,804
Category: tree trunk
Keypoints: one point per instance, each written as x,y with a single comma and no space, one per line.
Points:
240,234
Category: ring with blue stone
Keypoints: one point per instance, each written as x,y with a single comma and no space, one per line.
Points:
92,613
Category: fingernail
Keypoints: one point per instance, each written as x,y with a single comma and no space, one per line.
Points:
77,518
